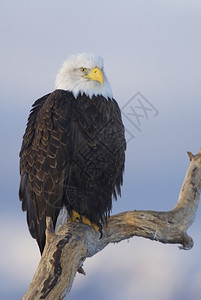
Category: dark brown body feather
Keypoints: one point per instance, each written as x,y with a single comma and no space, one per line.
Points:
72,154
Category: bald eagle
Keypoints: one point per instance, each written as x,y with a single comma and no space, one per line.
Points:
73,150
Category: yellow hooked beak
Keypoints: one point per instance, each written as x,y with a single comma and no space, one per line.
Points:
96,74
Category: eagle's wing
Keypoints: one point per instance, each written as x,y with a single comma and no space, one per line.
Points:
43,161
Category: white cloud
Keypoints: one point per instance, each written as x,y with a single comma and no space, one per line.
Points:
19,256
141,269
138,269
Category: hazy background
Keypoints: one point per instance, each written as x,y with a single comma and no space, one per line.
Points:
153,47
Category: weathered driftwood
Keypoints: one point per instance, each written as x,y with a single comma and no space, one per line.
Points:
66,250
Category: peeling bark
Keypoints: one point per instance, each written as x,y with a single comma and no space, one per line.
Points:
66,251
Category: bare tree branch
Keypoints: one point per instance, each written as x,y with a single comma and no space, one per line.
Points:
66,250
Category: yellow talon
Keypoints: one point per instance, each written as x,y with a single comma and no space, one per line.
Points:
95,227
86,221
76,217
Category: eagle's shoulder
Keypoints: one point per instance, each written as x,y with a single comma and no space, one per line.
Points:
41,109
43,160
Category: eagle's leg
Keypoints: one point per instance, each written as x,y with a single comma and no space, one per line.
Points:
76,217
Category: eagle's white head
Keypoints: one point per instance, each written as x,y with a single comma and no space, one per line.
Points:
84,73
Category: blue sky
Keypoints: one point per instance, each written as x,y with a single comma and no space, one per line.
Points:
151,47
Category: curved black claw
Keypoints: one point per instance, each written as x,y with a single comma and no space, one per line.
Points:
100,226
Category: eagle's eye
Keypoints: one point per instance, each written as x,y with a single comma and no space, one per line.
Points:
83,69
